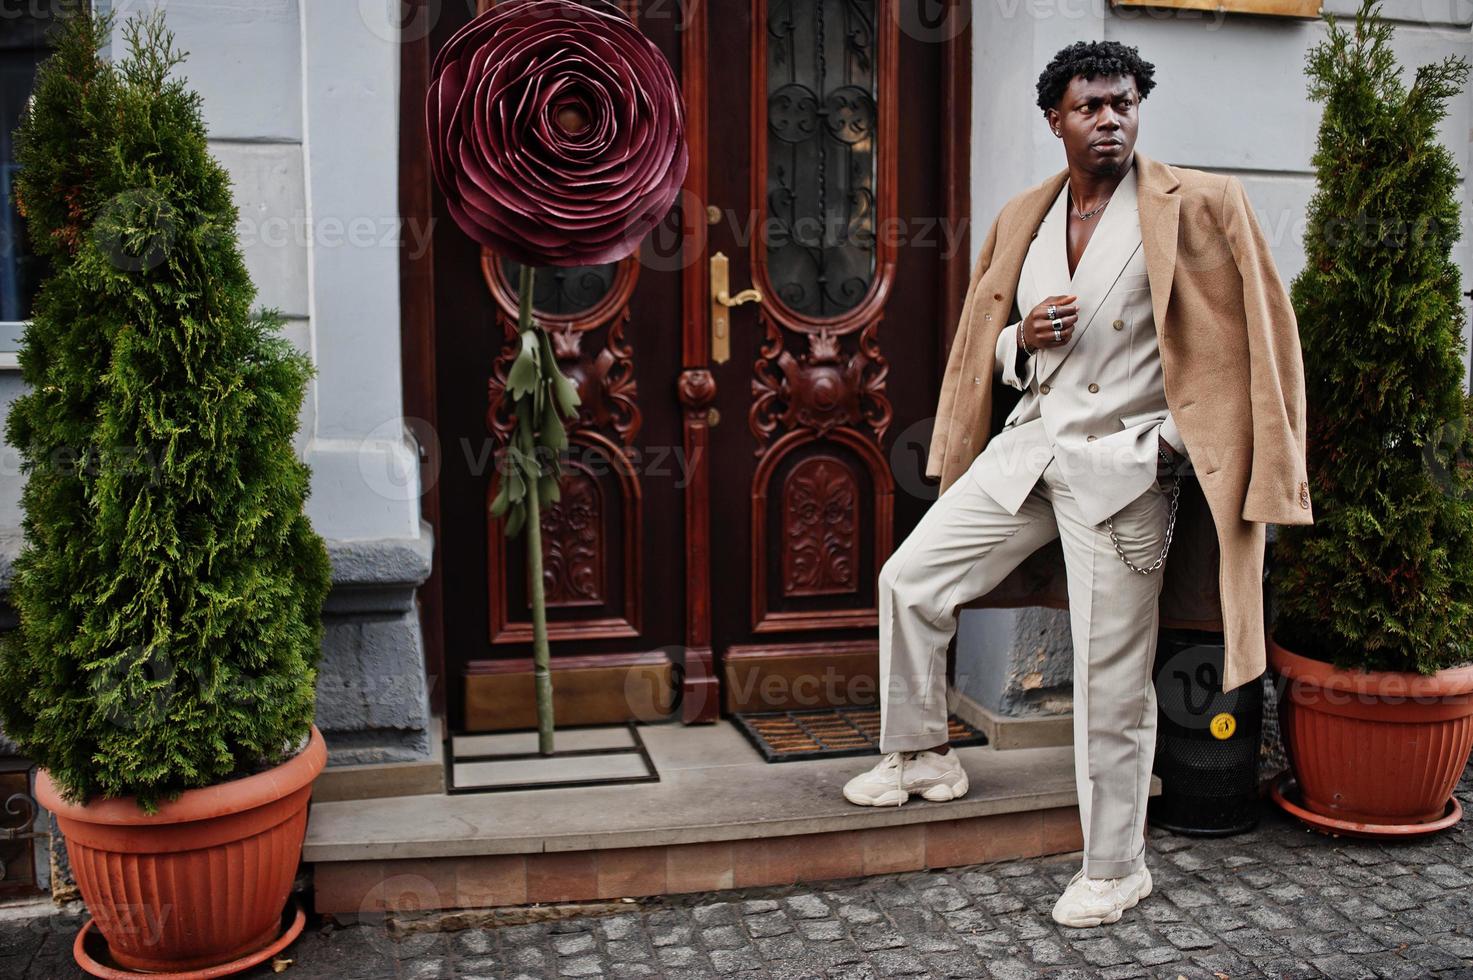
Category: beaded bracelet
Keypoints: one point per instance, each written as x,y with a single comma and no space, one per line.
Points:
1023,341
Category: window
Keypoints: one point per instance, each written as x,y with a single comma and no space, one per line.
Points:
23,46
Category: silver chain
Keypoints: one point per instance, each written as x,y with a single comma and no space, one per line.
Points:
1165,547
1086,215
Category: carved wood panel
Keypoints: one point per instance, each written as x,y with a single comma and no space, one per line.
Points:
591,538
820,520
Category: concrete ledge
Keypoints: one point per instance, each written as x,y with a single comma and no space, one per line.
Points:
372,693
1005,732
380,779
719,818
517,879
713,788
378,575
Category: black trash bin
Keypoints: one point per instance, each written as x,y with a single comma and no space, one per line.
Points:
1207,742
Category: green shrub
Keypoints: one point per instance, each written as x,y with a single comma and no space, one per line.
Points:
170,586
1384,577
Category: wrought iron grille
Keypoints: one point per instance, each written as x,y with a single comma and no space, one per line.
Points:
559,291
821,170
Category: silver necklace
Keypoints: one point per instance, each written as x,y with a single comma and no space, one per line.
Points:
1086,215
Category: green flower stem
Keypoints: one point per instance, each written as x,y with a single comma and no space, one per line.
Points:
541,656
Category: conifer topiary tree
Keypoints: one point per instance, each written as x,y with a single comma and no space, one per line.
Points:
1383,580
170,586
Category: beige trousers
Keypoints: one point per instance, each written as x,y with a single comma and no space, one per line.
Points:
963,547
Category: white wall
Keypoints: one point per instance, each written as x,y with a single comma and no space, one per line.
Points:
302,106
1230,97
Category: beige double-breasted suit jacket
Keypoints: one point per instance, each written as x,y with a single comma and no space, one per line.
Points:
1095,405
1231,370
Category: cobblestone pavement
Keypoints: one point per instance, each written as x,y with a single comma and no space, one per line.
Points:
1280,901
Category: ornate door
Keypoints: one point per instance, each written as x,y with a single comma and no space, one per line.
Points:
827,201
731,490
613,544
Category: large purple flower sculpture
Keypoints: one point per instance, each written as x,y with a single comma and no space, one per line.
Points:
557,132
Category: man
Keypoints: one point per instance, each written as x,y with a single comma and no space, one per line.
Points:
1155,333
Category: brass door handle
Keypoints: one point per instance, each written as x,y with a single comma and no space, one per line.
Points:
721,302
752,295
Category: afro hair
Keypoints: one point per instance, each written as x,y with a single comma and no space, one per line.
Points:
1092,58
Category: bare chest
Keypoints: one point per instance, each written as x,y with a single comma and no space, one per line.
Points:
1076,236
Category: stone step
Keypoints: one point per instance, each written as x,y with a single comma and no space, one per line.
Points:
719,817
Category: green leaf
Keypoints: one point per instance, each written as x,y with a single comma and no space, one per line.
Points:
566,393
521,379
502,500
554,435
515,477
516,520
548,364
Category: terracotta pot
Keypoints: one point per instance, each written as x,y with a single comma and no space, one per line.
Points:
203,881
1374,747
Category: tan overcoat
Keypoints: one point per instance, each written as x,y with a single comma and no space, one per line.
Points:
1234,380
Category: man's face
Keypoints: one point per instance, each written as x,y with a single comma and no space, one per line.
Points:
1097,119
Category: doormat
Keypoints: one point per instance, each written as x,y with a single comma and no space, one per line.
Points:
582,756
788,736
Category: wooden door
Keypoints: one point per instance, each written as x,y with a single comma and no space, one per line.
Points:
828,193
722,521
613,544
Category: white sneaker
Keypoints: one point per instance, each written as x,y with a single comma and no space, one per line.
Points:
936,777
1096,901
